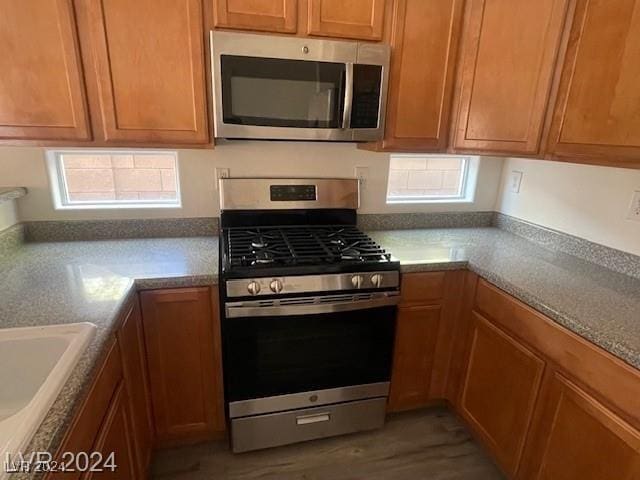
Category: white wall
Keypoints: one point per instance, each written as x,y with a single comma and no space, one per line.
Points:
24,166
8,216
587,201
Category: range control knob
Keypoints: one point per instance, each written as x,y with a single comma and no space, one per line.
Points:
356,281
376,280
253,288
275,285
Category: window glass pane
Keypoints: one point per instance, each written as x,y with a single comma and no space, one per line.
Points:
122,178
415,177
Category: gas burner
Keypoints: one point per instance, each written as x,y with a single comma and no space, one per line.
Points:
259,242
263,257
351,254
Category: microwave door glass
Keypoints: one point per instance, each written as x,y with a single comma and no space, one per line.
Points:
282,93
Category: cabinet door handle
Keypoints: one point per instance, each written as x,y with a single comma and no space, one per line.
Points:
315,418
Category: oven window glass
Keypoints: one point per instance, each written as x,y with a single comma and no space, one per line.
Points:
282,93
366,96
267,356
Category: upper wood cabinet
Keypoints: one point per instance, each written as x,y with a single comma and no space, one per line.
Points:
507,63
359,19
499,391
578,438
424,45
597,115
263,15
148,67
184,374
41,86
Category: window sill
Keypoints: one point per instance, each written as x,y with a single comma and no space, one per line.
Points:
443,201
129,206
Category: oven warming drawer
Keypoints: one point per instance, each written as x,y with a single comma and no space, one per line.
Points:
274,429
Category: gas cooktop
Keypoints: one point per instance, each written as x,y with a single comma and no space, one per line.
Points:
301,249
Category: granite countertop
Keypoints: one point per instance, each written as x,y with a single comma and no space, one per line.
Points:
598,304
69,282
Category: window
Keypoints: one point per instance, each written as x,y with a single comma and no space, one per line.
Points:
88,179
431,179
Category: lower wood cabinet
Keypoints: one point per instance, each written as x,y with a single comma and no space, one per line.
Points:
425,329
499,391
130,338
179,329
416,334
576,437
116,439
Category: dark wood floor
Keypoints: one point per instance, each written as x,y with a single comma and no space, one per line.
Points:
425,445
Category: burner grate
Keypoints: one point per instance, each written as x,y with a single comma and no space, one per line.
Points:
306,245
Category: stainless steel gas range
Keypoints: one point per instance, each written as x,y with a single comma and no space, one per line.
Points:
309,305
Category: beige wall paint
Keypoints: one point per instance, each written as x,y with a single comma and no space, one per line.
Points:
26,167
586,201
8,215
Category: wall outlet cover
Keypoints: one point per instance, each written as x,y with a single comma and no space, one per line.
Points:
634,209
221,173
515,181
361,173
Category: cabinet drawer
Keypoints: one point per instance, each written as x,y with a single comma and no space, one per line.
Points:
418,288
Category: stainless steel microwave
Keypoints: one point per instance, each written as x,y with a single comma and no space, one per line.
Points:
279,88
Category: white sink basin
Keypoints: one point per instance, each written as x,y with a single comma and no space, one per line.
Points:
35,362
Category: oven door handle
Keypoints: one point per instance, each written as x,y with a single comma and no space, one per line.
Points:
242,309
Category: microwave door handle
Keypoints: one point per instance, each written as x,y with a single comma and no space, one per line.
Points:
348,97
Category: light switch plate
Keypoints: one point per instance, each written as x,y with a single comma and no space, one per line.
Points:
634,209
515,181
361,174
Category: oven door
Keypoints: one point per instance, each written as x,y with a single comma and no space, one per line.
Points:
300,357
295,89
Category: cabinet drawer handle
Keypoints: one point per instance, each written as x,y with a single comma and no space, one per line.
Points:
315,418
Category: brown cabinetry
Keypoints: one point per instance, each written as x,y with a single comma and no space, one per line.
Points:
264,15
358,19
424,45
576,437
499,391
41,87
115,438
132,352
424,337
179,329
508,58
148,69
596,117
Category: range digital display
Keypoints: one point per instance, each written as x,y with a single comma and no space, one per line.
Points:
293,193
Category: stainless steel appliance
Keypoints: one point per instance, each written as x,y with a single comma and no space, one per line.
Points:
309,305
273,87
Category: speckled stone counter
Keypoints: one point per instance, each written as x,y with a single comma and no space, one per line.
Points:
54,283
49,283
600,305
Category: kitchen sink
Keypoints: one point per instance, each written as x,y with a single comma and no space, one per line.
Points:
35,362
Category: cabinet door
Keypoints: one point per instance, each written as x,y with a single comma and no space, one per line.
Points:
115,438
578,438
416,335
41,88
508,58
149,70
178,327
424,46
597,115
263,15
363,19
499,391
131,342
